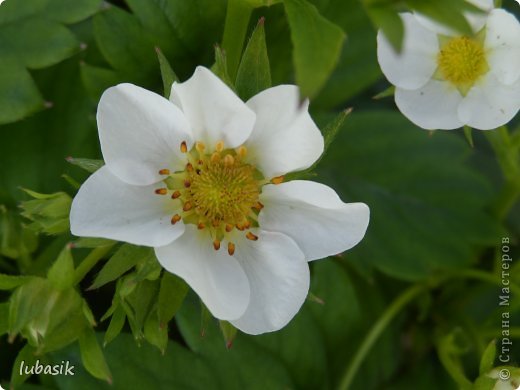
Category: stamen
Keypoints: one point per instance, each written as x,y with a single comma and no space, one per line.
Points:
229,227
242,151
187,206
187,183
231,248
258,206
184,147
164,172
240,227
215,157
201,226
277,180
216,244
161,191
200,147
176,218
229,160
176,194
219,147
251,236
189,167
215,223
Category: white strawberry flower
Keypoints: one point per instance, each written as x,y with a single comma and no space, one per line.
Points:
199,178
445,80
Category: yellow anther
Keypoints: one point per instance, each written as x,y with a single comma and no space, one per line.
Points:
161,191
216,244
258,206
189,167
176,218
215,157
251,236
187,183
187,206
164,172
184,147
200,147
219,147
176,194
242,151
277,180
229,160
231,248
229,227
201,226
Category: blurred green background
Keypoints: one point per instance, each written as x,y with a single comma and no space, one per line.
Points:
432,197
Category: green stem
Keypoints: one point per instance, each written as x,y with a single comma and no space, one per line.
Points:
235,29
90,261
401,301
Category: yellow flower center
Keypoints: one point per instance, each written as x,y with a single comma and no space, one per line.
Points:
462,61
217,191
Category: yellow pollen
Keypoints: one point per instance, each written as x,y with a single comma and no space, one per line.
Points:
462,61
218,191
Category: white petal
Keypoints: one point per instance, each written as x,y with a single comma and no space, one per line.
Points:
490,104
314,216
140,133
279,278
503,46
414,66
214,111
284,138
216,277
475,20
433,106
107,207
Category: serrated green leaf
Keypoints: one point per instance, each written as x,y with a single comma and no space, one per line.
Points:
172,292
92,356
122,261
254,74
87,164
317,45
154,333
116,325
61,274
167,74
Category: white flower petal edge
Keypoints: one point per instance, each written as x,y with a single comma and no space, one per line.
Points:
279,278
475,20
284,138
214,111
108,207
414,66
434,106
314,216
503,46
490,104
140,133
216,277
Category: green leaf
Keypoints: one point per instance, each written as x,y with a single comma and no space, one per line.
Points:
91,242
140,304
438,230
388,20
229,332
254,74
61,273
24,31
8,282
126,45
116,325
96,80
4,316
27,355
142,367
87,164
92,356
49,212
154,333
172,292
317,45
220,67
167,73
15,239
122,261
488,358
244,365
